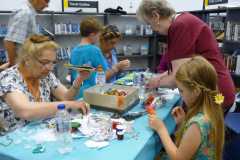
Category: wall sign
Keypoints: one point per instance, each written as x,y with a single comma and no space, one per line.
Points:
213,2
80,6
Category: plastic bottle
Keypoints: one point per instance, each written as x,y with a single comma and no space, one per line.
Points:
135,79
141,86
63,127
101,77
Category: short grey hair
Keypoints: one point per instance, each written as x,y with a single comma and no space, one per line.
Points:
162,7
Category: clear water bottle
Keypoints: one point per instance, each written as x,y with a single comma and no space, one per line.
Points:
63,127
100,77
141,86
135,79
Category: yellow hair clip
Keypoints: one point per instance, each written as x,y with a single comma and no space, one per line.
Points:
218,98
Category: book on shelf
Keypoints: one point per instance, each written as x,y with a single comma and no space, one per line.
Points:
237,71
233,31
67,28
3,56
233,63
162,48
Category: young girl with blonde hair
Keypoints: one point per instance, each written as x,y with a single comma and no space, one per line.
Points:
201,131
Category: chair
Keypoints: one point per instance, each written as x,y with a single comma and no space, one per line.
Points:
232,142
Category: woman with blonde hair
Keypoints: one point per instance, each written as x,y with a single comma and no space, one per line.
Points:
109,38
186,35
26,88
201,132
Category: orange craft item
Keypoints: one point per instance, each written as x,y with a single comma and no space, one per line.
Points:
149,100
120,101
151,110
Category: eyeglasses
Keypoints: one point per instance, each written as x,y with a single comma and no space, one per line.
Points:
46,63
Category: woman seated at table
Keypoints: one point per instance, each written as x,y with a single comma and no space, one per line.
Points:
109,38
26,88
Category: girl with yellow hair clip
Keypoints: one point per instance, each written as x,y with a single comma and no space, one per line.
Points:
201,131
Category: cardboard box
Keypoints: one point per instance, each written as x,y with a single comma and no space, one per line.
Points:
96,98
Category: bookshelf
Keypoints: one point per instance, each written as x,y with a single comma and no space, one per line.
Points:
137,40
231,43
225,23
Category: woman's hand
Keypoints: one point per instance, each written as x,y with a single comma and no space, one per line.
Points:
78,105
124,64
153,83
4,66
178,114
154,122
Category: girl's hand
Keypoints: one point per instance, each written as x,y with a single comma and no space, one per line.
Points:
178,114
154,122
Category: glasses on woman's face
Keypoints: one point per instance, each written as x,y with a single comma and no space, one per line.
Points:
46,63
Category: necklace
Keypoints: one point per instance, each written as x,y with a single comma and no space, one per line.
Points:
32,84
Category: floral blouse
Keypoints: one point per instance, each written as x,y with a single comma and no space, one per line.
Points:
12,81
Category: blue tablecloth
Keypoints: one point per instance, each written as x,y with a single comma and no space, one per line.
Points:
145,147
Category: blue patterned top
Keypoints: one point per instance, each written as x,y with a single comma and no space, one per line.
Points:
111,62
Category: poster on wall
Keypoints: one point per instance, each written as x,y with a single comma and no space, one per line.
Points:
80,6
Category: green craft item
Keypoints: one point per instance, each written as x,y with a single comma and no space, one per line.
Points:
39,149
75,124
